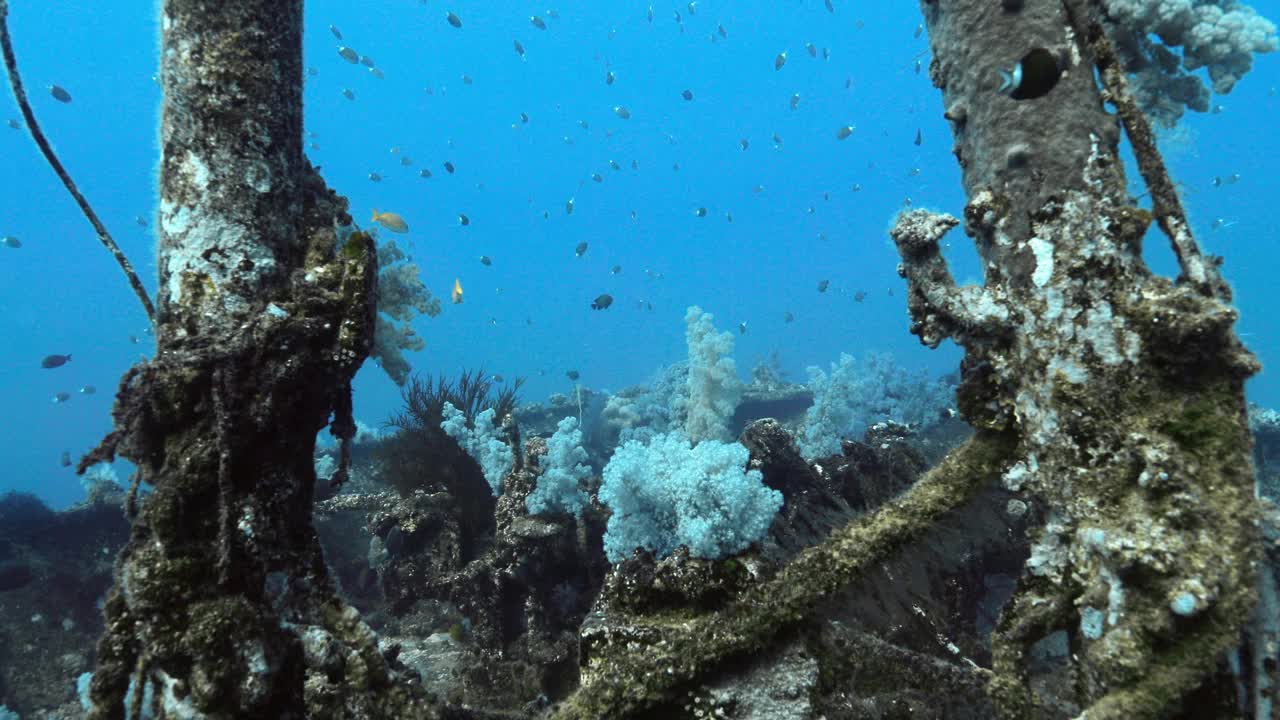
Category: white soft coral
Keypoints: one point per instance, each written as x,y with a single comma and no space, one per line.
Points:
713,385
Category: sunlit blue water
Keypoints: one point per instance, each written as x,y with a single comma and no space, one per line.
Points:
528,314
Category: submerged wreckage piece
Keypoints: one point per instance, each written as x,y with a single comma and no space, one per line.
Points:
1125,390
1109,399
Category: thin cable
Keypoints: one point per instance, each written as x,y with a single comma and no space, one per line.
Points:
20,94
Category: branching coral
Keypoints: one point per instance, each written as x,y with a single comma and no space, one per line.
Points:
713,385
401,296
482,440
1219,35
854,395
563,472
671,493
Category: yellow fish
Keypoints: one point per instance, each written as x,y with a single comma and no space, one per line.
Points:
390,221
457,291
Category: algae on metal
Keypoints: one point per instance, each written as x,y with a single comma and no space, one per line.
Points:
654,659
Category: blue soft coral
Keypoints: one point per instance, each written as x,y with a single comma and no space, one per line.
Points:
668,493
563,472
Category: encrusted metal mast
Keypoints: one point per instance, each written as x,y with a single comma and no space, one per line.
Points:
1125,390
223,605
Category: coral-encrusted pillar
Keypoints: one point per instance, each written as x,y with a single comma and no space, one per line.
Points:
222,605
1125,390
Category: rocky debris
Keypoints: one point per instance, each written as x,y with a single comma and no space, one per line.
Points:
494,630
874,471
866,678
776,685
55,568
640,584
813,504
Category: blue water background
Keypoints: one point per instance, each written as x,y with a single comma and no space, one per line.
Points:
528,314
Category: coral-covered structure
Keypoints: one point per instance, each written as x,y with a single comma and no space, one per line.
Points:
222,604
1122,390
1107,399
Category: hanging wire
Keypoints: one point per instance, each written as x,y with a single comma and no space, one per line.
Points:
20,94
